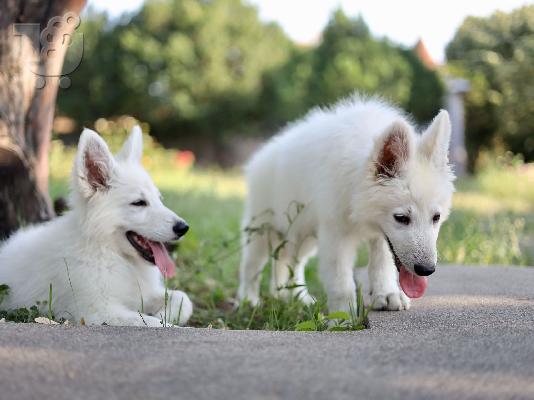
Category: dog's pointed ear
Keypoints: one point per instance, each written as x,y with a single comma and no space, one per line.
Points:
435,142
94,163
392,151
132,149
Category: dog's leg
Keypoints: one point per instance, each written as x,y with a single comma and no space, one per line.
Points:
288,279
178,310
384,279
255,254
300,258
300,291
337,254
280,272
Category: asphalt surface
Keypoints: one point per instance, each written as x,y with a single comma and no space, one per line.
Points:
470,337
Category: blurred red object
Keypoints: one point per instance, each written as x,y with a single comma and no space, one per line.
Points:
185,159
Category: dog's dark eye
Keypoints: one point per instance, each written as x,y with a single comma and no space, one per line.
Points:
139,203
436,218
402,219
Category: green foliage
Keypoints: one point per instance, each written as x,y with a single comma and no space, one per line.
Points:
285,90
180,65
426,89
338,321
50,313
24,314
478,244
89,96
4,291
114,131
496,54
208,68
21,314
349,59
493,216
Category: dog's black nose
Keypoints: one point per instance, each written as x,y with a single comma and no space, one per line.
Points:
180,228
424,269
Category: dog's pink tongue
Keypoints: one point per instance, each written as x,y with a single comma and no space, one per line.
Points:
163,259
414,286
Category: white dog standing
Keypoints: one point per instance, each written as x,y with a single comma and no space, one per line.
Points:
101,257
359,172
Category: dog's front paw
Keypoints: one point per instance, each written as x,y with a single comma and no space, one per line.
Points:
395,301
306,298
179,308
185,309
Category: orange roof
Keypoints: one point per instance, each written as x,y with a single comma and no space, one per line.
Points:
424,55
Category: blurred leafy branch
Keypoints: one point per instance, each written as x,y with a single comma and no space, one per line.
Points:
211,69
190,67
496,54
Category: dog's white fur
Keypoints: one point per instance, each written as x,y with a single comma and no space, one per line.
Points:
96,275
330,163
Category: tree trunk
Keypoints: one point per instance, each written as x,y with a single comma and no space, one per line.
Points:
30,69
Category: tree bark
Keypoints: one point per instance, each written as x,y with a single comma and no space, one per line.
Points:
29,79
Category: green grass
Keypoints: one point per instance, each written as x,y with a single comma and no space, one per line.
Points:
492,223
19,315
493,218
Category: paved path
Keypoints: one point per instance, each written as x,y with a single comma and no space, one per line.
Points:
472,337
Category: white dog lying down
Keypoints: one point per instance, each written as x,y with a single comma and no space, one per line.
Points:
357,171
101,256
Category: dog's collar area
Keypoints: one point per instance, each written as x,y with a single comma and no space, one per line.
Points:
140,243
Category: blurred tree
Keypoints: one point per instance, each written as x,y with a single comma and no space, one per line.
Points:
96,89
285,90
29,69
191,67
426,89
181,65
349,58
497,55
